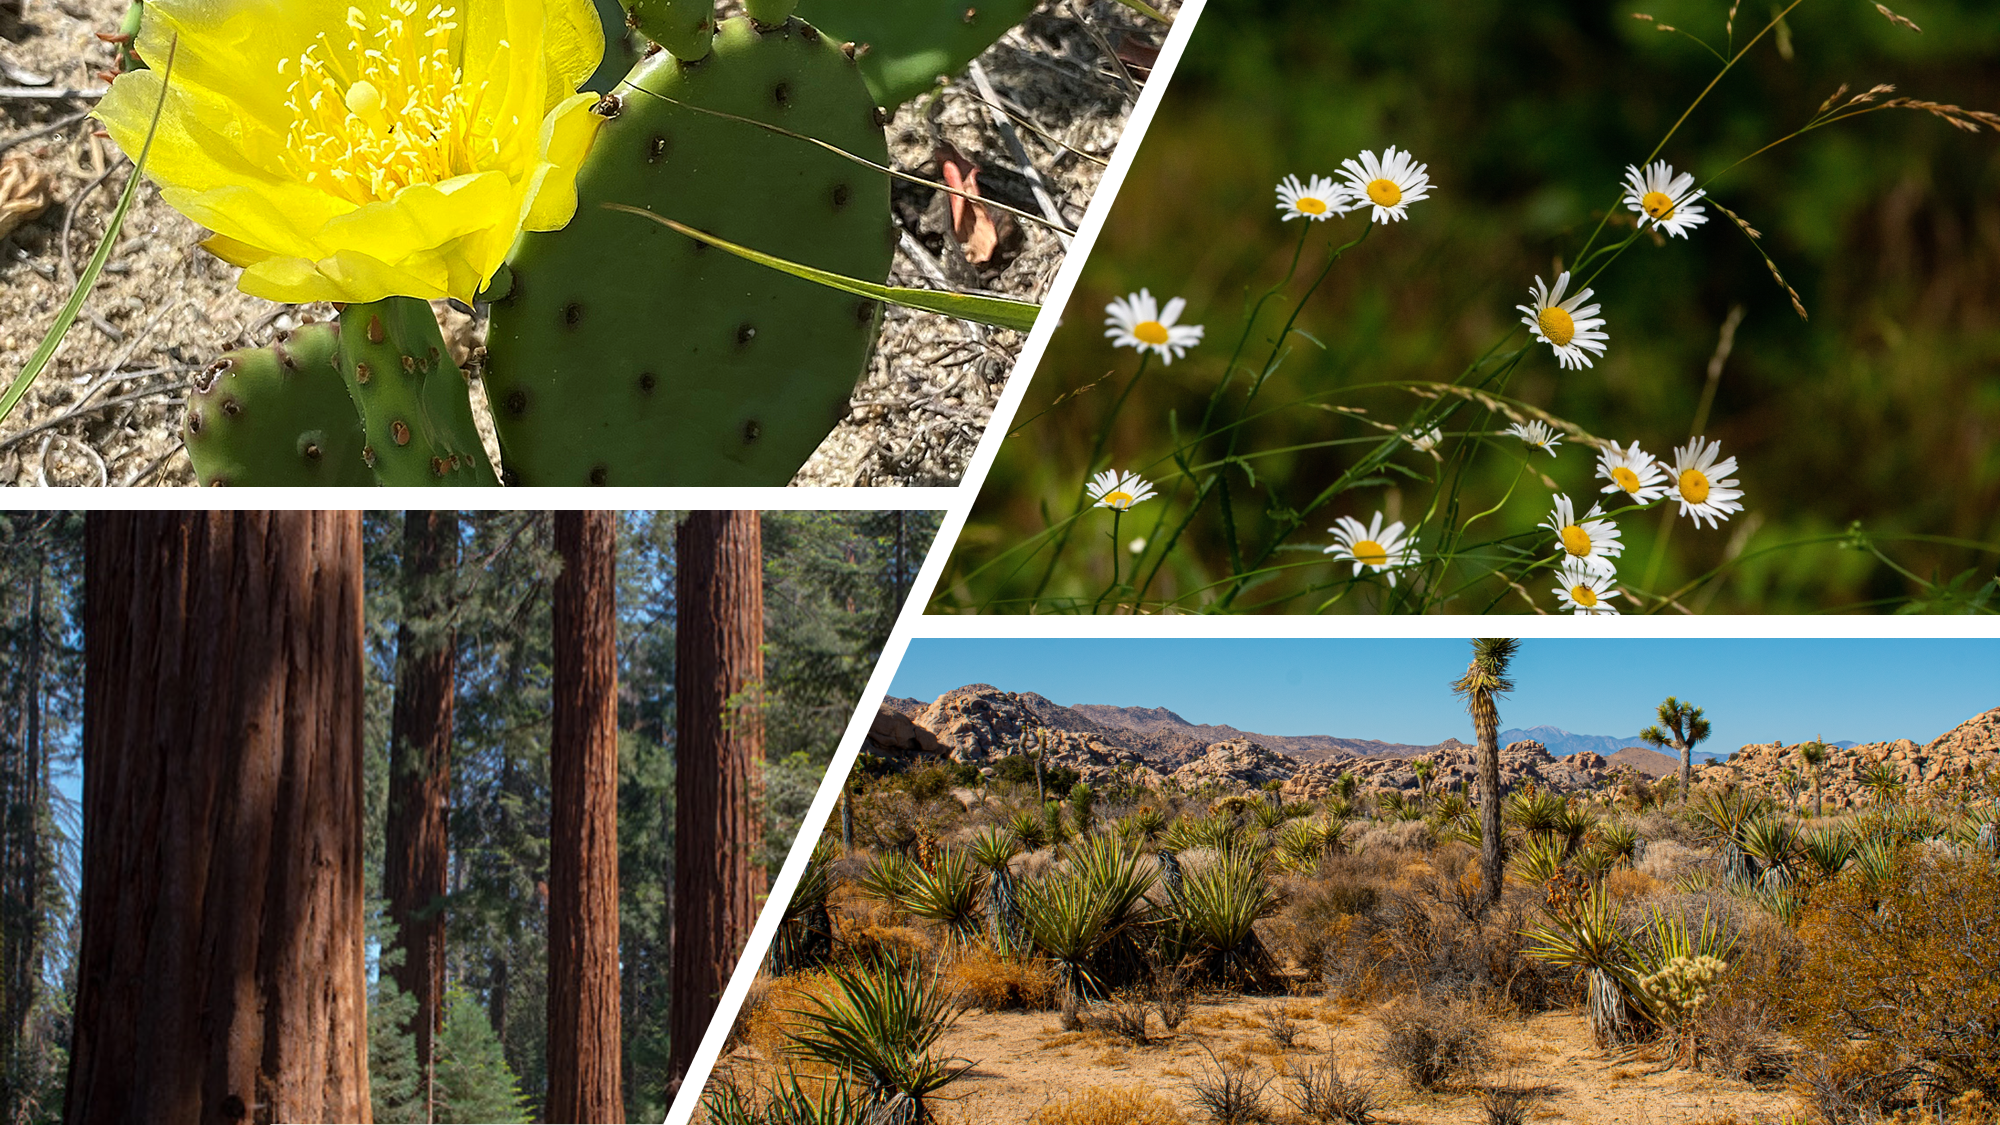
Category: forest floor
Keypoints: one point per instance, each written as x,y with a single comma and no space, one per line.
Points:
1023,1061
108,410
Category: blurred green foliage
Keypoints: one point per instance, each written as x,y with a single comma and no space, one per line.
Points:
1883,408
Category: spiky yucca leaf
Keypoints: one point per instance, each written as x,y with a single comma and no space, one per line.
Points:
1115,873
1773,840
948,894
805,930
1538,859
1029,830
1537,813
1617,839
1217,909
1068,923
888,878
880,1030
992,848
1826,851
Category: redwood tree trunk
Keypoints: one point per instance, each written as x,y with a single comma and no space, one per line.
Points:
584,1040
719,736
220,974
414,870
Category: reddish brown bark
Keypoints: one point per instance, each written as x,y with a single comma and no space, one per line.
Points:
220,974
718,684
414,869
584,1040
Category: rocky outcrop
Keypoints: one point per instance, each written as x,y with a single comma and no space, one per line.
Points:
1456,763
1961,755
895,736
1238,765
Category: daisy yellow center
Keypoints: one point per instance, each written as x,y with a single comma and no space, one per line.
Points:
1557,325
1310,206
1694,486
1583,596
1658,204
1150,332
1385,193
1625,478
387,110
1370,552
1575,540
1119,500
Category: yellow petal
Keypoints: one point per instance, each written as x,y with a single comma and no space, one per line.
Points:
572,46
566,136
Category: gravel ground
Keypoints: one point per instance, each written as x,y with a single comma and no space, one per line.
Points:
108,410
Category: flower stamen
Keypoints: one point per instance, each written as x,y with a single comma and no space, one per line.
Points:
1557,325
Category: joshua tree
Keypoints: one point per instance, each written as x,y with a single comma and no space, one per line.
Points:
1682,727
1484,682
1814,753
1883,780
1040,741
1425,769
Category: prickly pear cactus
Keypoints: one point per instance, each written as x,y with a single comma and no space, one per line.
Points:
628,354
416,412
276,416
769,12
683,27
905,46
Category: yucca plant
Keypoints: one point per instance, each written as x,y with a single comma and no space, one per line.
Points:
1574,823
1884,782
1201,832
1300,844
1774,842
1055,824
1535,814
1825,851
1590,937
1029,830
827,1102
1617,839
1121,876
1067,922
1149,822
1216,912
948,894
994,851
888,878
1538,859
880,1031
1593,863
805,931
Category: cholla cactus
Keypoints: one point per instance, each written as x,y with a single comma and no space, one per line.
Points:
1683,986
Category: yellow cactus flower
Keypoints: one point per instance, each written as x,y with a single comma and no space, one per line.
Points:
352,152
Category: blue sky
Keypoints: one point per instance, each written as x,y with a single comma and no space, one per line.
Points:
1399,690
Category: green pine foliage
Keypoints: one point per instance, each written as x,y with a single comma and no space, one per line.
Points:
474,1083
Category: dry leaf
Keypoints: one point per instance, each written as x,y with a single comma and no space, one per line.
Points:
24,192
971,221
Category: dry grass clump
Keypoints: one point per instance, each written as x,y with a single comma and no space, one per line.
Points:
981,978
1433,1043
1123,1016
766,1022
1507,1105
1229,1090
1320,1092
1124,1105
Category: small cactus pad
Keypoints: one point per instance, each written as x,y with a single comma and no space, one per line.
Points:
628,354
684,27
416,405
276,416
907,45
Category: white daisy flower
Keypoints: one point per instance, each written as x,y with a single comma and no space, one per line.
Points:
1562,325
1373,546
1699,484
1391,183
1318,199
1632,471
1423,441
1113,489
1663,198
1584,592
1137,321
1589,542
1537,434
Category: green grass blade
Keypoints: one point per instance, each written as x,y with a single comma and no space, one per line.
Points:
1144,9
40,360
999,312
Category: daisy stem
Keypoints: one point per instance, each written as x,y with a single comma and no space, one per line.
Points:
1249,325
1116,514
1090,466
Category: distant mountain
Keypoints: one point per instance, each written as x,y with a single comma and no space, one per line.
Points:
1306,747
1562,743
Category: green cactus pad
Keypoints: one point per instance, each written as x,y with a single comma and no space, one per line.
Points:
907,45
628,354
416,406
683,27
276,416
770,13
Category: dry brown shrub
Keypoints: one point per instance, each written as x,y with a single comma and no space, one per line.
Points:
905,943
1318,910
770,1027
1432,1044
981,978
1627,883
1123,1105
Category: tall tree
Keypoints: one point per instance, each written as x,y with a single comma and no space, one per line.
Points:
1484,682
21,855
1682,727
1814,753
220,976
585,1044
718,680
414,872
